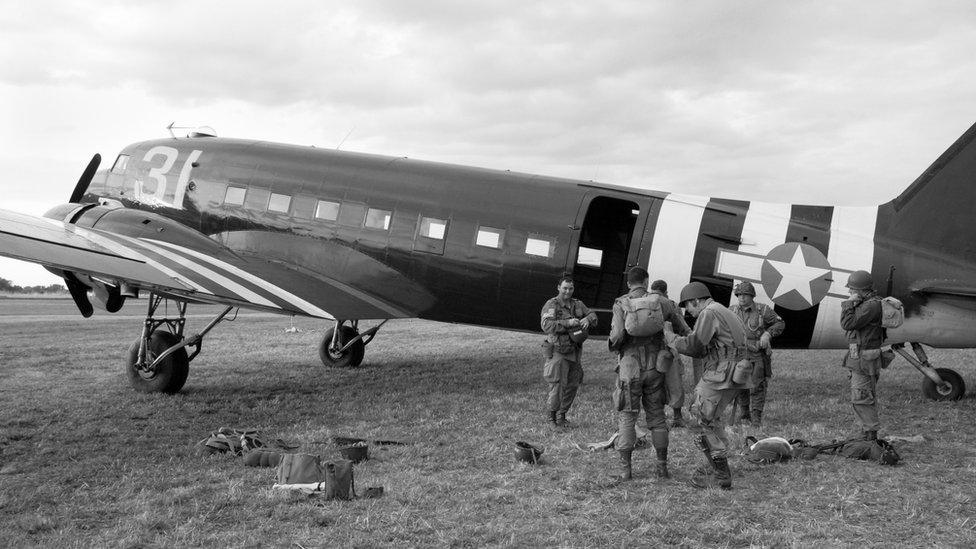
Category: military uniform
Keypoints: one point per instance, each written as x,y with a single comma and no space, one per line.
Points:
562,369
757,319
641,366
674,382
718,338
862,320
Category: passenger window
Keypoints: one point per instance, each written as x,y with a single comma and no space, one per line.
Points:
234,196
352,214
327,210
589,257
279,203
303,207
378,219
257,199
433,228
538,245
490,237
120,163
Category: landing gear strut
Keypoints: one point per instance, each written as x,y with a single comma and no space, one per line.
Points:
939,383
157,362
343,346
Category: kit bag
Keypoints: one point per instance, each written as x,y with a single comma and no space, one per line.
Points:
892,313
643,315
879,450
335,478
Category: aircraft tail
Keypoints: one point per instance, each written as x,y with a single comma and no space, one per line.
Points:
937,211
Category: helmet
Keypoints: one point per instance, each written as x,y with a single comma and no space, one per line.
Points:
579,336
860,280
745,288
527,452
693,290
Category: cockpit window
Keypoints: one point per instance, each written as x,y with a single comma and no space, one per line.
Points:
120,163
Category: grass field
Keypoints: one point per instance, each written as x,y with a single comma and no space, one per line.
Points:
87,462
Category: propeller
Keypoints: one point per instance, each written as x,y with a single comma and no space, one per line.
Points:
78,291
86,177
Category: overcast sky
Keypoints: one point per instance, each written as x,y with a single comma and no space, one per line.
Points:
805,102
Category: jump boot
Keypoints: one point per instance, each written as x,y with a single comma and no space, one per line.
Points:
718,475
870,435
561,420
678,421
659,437
552,420
757,418
626,470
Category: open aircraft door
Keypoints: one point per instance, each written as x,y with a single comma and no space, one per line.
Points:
604,248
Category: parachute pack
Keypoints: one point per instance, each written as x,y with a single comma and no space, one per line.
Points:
643,315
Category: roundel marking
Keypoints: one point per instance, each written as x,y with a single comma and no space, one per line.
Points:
796,276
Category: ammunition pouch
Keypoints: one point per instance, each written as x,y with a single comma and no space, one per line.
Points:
547,349
743,372
720,373
870,354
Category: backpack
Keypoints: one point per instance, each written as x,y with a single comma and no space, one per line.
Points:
892,313
643,315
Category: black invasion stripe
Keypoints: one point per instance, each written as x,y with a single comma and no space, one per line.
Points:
721,227
650,226
809,225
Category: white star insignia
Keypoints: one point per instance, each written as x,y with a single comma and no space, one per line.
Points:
797,275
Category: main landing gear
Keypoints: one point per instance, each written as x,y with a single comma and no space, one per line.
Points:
939,383
157,362
343,346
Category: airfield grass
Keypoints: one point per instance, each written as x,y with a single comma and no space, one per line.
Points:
88,462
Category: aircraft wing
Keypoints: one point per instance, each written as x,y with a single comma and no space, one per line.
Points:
183,264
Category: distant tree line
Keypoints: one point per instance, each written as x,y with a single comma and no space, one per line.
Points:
9,287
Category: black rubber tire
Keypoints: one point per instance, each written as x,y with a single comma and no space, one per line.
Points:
957,386
169,376
353,356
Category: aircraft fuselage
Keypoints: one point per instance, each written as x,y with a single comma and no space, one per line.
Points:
486,247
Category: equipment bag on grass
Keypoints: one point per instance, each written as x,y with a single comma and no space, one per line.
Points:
308,473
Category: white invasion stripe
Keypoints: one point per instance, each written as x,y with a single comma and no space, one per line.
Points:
260,282
124,250
738,266
764,229
215,277
851,248
675,238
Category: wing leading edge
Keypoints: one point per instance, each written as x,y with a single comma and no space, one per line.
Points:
178,270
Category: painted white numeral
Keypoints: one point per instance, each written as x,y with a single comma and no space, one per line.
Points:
159,176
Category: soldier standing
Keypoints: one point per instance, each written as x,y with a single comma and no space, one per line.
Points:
636,335
861,317
674,382
719,339
762,324
565,321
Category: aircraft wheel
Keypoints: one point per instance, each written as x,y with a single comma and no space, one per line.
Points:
169,376
352,357
955,390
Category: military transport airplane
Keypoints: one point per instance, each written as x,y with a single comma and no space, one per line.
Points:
352,237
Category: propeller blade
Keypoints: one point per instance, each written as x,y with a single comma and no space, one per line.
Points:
82,187
79,293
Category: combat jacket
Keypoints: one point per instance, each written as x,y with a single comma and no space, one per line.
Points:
620,340
556,316
862,320
757,319
719,338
